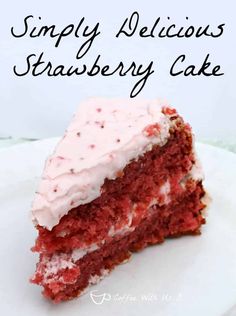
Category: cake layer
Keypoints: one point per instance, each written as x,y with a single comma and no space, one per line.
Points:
104,136
64,278
161,175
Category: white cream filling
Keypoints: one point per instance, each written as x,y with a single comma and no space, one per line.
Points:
196,173
126,228
165,190
81,252
55,264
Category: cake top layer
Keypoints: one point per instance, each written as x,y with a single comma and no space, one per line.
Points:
103,137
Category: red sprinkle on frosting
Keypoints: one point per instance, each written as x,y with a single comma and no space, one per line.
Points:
152,130
168,111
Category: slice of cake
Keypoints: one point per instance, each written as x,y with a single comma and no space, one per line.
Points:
124,176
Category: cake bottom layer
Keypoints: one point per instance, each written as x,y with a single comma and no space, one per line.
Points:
70,278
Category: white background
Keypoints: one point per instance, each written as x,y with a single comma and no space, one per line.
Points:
40,107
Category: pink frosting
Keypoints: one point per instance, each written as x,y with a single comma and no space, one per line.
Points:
103,137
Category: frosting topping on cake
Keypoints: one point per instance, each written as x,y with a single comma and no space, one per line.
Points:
103,137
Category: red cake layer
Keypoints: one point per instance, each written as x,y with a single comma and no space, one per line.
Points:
137,187
172,220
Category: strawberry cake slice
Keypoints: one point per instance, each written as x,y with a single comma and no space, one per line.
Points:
124,176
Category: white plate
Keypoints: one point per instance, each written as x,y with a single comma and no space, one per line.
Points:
185,276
